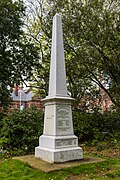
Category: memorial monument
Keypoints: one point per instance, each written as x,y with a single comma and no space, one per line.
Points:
58,142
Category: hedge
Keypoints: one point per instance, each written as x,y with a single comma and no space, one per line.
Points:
21,129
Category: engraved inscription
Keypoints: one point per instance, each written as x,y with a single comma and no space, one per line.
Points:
49,113
49,120
69,155
50,117
65,142
63,118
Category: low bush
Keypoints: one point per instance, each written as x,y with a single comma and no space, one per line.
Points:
20,131
2,114
94,127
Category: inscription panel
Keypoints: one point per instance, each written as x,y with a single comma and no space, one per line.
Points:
64,119
69,155
65,142
49,123
49,112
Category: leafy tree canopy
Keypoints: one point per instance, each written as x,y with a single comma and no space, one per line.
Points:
91,39
18,55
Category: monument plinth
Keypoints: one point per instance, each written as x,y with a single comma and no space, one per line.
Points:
58,142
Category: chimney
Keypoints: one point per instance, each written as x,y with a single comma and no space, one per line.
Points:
16,89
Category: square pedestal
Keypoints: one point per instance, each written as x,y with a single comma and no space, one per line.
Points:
58,155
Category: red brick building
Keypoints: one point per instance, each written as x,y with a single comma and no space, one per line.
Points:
21,97
28,99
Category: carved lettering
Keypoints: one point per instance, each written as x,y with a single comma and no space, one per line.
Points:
63,118
65,142
68,155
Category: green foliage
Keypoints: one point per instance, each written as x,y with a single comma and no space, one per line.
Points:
21,130
94,127
91,40
18,55
2,114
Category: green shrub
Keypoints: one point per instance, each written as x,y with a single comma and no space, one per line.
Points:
96,126
2,114
21,130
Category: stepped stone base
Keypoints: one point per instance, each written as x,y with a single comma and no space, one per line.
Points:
56,149
58,155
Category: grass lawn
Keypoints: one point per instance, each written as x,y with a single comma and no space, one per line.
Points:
16,170
11,169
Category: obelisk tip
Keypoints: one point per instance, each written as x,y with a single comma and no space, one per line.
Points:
57,14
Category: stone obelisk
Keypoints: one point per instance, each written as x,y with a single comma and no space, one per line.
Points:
58,142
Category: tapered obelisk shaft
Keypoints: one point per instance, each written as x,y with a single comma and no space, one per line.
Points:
58,142
57,82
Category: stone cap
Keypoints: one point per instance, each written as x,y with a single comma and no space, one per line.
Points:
58,98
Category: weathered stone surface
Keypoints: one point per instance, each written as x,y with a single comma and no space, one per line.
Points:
58,118
59,155
45,166
58,142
